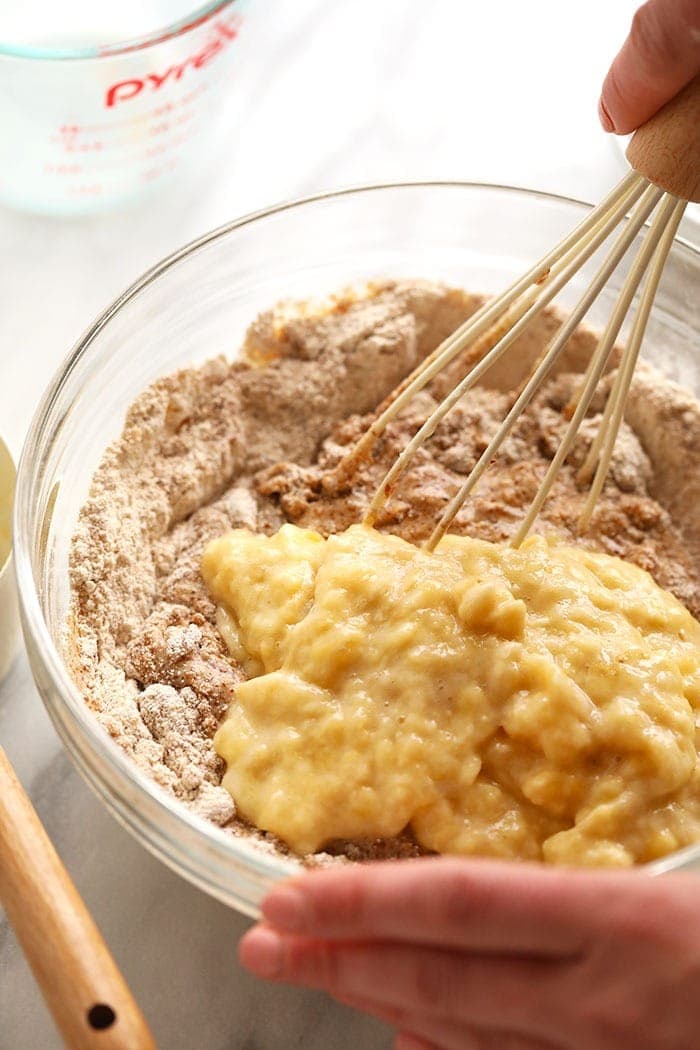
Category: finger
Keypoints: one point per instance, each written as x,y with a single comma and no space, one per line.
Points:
415,1030
453,1038
407,1041
404,1019
491,991
422,1037
390,1015
436,1033
450,902
658,58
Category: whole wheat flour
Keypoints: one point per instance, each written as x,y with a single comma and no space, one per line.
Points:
256,442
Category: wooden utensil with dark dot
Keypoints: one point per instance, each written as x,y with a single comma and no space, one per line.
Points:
87,995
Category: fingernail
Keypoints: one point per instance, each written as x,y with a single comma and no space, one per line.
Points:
605,118
286,908
260,951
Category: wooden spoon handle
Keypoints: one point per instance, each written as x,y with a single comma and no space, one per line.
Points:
83,988
667,148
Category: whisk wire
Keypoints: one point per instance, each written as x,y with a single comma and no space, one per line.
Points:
607,214
558,344
560,274
585,472
606,436
602,353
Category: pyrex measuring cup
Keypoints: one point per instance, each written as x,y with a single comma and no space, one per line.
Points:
100,103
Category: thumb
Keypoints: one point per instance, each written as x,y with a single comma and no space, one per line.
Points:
658,58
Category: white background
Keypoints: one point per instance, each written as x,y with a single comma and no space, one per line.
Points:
328,93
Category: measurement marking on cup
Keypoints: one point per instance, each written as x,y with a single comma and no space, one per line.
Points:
63,169
66,133
93,189
170,153
83,147
165,131
162,149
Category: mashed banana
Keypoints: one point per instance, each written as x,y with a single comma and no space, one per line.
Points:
538,703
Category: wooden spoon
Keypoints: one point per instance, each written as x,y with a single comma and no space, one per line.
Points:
81,984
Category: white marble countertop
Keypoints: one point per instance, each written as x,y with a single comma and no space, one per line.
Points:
328,94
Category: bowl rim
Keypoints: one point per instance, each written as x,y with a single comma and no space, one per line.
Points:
125,773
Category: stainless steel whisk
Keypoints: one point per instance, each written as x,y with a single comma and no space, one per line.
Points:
664,155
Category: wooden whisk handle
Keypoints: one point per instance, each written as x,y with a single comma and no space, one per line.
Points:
86,993
667,148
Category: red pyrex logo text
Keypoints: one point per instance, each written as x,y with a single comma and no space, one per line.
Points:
126,89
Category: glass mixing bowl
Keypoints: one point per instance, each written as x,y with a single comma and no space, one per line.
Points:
198,303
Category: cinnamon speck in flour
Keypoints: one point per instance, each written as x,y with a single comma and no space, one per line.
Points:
255,442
